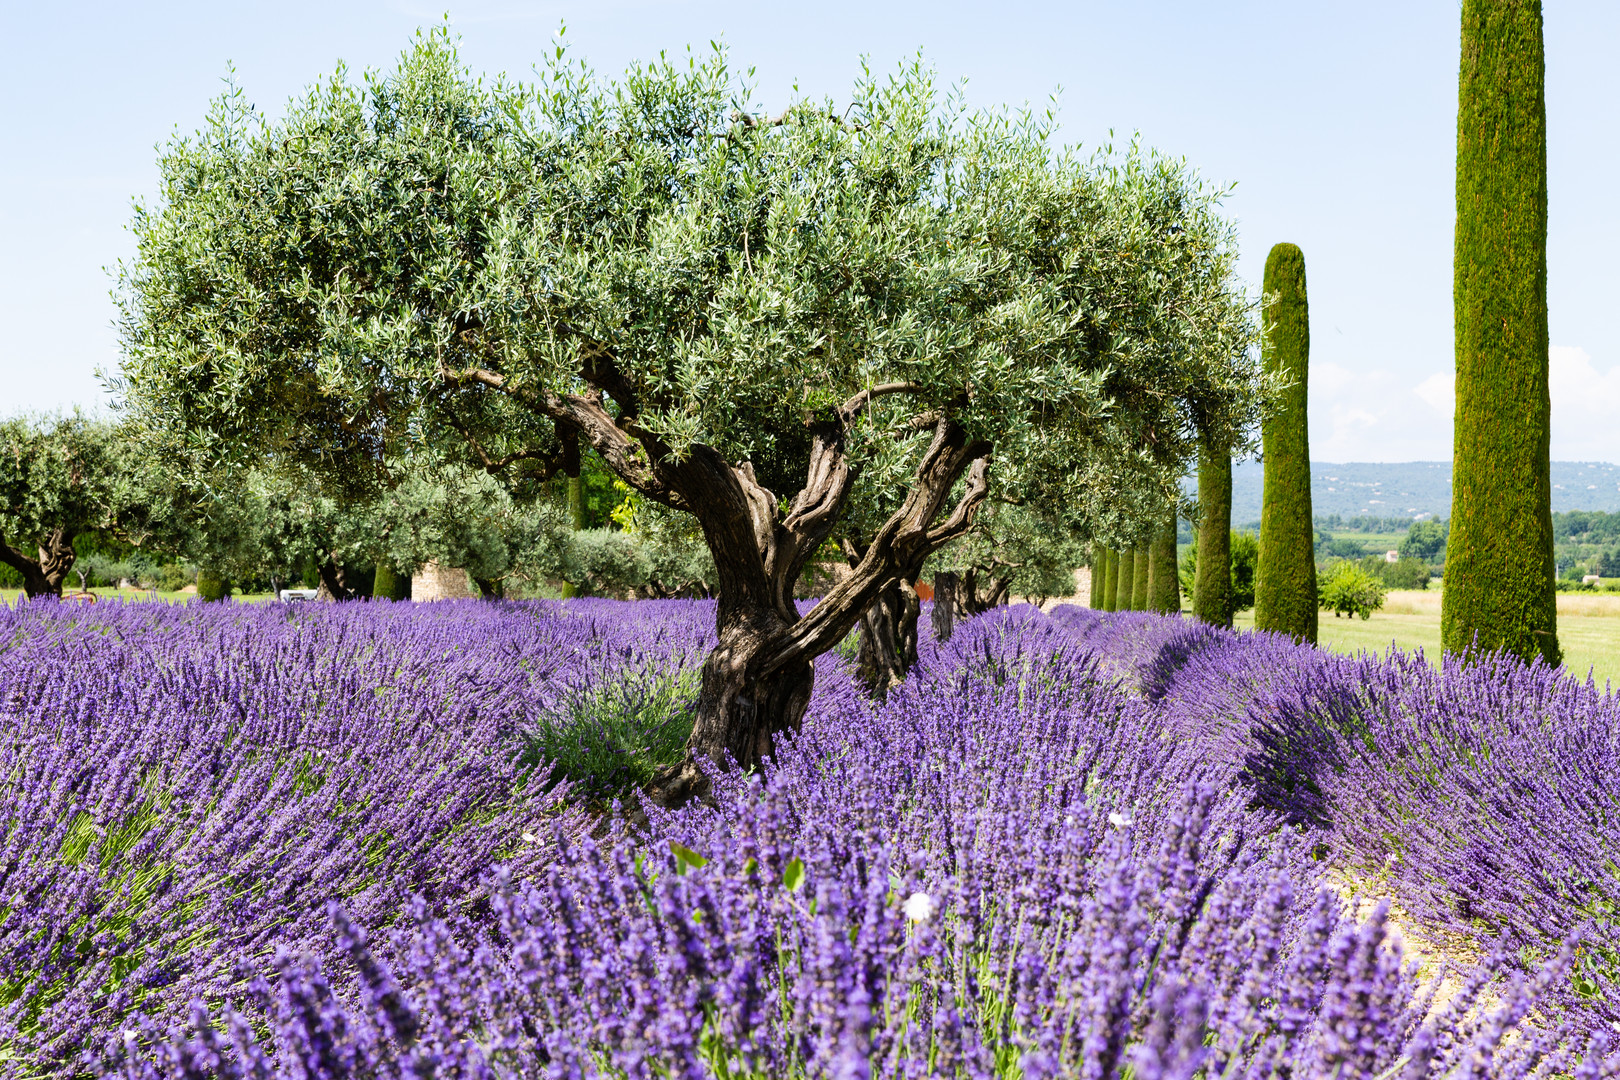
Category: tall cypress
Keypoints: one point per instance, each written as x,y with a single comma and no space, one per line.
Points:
1164,587
1285,581
1212,584
1094,594
1126,579
1110,578
576,513
1139,587
1499,580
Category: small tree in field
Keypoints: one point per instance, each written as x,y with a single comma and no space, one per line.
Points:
59,477
853,321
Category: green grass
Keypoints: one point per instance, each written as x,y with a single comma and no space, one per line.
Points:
1588,630
106,594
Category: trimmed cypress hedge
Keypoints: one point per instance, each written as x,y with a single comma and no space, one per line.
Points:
1110,583
1139,586
1285,586
1164,585
576,512
1499,558
212,585
388,585
1212,584
1125,580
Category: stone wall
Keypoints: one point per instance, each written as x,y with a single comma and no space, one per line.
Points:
435,582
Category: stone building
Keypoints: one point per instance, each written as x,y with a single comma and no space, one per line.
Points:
436,582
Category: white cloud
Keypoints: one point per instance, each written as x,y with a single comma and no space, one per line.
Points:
1373,415
1440,391
1585,407
1379,415
1330,378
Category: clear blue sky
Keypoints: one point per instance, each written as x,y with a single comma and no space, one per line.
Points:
1336,121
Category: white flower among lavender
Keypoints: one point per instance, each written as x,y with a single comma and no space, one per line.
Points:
1121,820
919,907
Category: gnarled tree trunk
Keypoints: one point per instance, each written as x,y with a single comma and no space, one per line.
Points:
888,644
335,581
43,576
945,604
981,592
756,683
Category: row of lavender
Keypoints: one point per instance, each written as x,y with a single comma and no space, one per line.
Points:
186,788
267,843
1484,798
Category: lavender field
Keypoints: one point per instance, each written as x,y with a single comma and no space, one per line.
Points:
379,840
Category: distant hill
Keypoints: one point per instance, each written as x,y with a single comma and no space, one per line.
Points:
1413,488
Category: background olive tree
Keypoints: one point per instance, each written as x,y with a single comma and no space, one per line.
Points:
60,477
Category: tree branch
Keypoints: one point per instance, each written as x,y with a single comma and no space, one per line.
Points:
850,409
899,547
630,456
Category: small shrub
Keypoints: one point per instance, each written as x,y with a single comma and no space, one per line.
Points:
1409,573
211,586
1349,590
173,577
611,737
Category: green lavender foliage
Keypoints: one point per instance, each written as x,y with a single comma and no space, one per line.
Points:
1212,588
1499,559
1285,591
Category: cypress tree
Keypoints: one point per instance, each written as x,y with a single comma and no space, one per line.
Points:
1499,559
1285,583
1094,595
1212,584
1139,587
385,585
1125,580
576,513
1105,599
1164,587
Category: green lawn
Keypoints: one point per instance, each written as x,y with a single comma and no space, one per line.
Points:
1588,630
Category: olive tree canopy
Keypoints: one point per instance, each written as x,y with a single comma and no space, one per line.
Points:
60,476
764,319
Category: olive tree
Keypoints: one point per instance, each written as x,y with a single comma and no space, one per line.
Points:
60,476
1013,549
763,319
